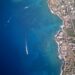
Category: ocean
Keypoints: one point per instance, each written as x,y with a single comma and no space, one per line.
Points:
27,39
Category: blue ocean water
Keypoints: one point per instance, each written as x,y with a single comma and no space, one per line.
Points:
28,22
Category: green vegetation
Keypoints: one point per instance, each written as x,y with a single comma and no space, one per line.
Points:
73,22
74,53
70,32
73,41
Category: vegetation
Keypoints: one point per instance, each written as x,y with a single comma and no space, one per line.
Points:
73,21
70,32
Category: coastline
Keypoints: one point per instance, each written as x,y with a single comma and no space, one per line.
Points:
65,37
61,29
59,53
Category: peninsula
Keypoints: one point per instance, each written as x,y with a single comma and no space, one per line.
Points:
65,38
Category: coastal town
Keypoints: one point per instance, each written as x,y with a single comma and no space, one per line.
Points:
65,37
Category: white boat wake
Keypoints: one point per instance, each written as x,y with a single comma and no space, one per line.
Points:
26,48
26,7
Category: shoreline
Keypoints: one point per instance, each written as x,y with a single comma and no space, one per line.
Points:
59,54
60,29
65,37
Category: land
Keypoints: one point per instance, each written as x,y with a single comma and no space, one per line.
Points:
65,38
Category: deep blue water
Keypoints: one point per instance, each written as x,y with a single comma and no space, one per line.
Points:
34,25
